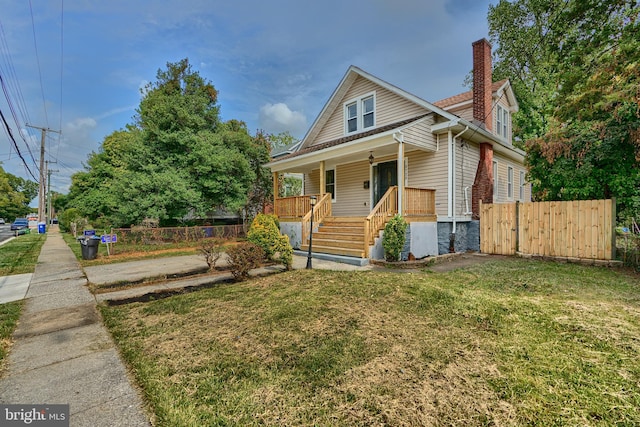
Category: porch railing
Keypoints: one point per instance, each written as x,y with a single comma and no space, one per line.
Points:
293,207
419,202
386,208
321,210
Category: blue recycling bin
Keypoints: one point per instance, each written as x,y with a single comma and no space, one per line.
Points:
42,228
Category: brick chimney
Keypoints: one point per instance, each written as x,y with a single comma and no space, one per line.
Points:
482,188
482,82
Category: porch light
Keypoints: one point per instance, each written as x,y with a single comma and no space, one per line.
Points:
371,157
312,202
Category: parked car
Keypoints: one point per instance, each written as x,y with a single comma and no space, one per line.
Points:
2,221
19,224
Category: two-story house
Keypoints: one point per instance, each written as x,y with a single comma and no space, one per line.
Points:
376,150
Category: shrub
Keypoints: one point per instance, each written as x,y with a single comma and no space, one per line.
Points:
243,258
212,251
265,232
394,238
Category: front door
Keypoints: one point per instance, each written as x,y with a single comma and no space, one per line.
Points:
385,175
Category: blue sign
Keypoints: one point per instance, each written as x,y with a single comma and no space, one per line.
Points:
89,232
109,238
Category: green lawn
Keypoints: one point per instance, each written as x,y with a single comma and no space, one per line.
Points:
18,256
21,254
515,342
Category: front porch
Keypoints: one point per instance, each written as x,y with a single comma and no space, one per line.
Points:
353,236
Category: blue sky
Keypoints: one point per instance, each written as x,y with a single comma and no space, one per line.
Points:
275,63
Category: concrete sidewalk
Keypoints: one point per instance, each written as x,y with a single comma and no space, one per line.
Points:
189,270
63,354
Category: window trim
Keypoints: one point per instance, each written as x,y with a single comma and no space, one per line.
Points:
359,102
510,182
495,180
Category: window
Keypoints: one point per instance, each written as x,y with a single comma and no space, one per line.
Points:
495,180
360,113
352,117
330,182
510,182
522,185
502,121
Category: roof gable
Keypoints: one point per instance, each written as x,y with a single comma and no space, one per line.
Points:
337,98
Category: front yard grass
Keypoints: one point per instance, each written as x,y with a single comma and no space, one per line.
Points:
515,342
20,255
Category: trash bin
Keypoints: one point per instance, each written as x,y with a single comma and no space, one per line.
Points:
89,247
42,228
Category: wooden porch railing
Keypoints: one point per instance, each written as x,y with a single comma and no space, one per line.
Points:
419,202
386,208
293,207
321,210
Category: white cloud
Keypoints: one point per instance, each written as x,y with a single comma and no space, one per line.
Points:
82,124
276,118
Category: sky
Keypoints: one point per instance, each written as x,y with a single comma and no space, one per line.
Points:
78,66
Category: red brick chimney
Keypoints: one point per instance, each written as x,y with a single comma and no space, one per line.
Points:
482,82
482,188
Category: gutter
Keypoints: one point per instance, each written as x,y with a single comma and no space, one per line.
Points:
452,236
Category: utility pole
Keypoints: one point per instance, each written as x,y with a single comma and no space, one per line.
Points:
42,183
49,172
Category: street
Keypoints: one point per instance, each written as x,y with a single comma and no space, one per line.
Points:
5,232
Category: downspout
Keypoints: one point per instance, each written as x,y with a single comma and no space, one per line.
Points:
452,237
399,137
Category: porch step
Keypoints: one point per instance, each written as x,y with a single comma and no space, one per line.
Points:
339,236
359,253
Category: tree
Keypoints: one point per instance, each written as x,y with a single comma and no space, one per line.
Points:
15,195
177,160
574,67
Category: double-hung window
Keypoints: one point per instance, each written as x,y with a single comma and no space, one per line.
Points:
360,113
522,185
509,182
502,121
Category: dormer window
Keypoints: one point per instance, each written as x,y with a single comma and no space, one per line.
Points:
360,113
502,122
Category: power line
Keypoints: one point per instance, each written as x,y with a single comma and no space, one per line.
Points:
35,45
13,140
61,70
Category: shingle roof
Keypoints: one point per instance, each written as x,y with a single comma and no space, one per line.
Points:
353,137
465,96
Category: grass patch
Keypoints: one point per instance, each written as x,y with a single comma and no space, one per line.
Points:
515,342
20,255
9,315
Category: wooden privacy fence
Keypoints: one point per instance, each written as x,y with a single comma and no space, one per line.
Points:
575,229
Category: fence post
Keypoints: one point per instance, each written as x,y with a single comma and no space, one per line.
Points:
517,226
613,228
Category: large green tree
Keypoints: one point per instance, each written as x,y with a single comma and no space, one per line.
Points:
574,67
15,195
176,160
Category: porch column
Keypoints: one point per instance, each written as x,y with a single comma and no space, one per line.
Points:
323,183
400,178
275,188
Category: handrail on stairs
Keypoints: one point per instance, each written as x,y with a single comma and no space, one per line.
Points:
386,207
321,210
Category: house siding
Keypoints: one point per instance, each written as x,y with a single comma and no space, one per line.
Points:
389,108
352,199
429,170
502,194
